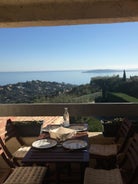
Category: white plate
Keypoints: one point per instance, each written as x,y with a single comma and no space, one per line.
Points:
44,143
78,128
74,144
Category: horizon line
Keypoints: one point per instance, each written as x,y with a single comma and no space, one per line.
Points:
64,70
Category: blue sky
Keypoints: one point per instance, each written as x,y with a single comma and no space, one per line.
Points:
96,46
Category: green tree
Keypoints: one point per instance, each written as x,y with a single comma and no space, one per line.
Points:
102,83
106,84
124,75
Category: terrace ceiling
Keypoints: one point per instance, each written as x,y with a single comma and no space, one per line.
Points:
23,13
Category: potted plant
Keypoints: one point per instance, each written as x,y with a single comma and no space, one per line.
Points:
110,127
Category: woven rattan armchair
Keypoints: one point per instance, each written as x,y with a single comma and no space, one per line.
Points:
21,151
126,173
17,156
105,154
27,175
21,175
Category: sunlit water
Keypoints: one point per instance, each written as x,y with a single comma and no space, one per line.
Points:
73,77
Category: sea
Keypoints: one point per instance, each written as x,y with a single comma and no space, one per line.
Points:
76,77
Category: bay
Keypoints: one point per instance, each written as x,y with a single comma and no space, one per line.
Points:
76,77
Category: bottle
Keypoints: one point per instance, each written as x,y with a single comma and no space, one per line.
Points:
66,122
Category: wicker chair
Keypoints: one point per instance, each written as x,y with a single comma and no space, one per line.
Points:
27,175
105,155
21,175
21,151
126,173
15,157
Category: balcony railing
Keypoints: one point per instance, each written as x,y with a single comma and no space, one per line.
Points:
82,109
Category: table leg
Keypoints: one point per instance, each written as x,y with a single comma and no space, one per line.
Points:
83,166
58,172
62,167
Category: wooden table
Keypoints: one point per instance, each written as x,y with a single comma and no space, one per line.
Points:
59,155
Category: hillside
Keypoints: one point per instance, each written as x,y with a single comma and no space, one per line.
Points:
29,91
100,89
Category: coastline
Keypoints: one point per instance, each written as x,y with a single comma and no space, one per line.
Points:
76,77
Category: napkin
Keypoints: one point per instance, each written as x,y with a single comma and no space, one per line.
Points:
62,133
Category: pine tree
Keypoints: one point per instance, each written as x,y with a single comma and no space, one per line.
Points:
124,75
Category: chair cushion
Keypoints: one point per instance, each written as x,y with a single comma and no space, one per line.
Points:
27,175
21,152
100,176
103,150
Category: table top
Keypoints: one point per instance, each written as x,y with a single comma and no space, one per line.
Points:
58,153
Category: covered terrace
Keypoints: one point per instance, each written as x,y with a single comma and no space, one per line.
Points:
24,13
